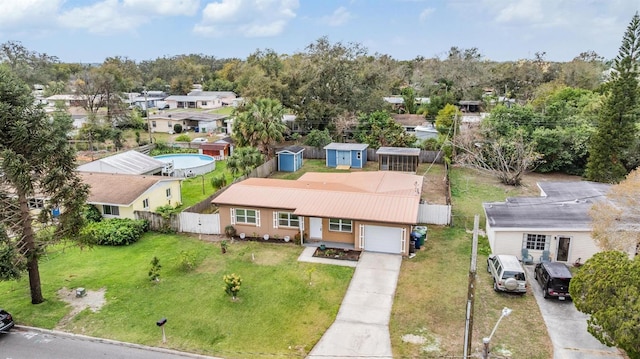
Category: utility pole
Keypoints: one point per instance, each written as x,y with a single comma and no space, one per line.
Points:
471,289
146,111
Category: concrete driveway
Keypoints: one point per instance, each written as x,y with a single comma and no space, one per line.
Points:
361,328
567,328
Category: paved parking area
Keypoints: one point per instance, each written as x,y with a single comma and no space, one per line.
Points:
567,328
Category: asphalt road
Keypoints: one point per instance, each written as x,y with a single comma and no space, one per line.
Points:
23,343
567,328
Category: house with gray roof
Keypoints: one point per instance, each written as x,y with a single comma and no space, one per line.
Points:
557,221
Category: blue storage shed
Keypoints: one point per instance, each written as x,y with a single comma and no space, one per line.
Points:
346,155
290,158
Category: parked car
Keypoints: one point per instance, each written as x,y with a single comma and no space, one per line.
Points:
6,321
508,274
554,279
199,140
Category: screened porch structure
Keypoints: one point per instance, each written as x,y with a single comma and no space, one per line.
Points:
400,159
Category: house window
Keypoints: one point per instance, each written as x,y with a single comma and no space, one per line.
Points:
153,124
286,219
145,203
340,225
537,241
111,210
169,124
204,103
36,203
168,191
246,216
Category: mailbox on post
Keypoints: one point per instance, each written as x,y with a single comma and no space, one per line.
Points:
161,324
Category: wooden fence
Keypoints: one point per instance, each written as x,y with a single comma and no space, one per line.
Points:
199,223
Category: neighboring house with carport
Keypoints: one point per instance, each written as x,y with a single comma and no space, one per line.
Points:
558,221
290,158
402,159
130,162
346,155
371,211
119,195
197,121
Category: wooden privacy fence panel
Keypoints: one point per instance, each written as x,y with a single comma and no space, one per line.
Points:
157,222
199,223
439,214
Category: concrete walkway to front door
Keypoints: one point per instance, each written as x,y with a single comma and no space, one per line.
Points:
361,328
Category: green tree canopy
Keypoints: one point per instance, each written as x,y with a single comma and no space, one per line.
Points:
317,138
243,160
379,129
37,162
616,129
259,124
607,287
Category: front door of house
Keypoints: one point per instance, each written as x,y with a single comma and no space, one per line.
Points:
315,228
343,158
563,249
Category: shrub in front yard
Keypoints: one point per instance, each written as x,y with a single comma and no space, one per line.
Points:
183,138
154,271
91,213
232,284
115,231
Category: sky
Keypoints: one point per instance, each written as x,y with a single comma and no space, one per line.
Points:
89,31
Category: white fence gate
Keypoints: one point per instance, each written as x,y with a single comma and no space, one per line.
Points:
434,214
200,223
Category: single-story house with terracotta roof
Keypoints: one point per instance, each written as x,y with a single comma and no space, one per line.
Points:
557,221
371,211
119,195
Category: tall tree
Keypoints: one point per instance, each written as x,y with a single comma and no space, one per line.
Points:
30,66
607,288
37,162
259,124
379,129
616,222
616,130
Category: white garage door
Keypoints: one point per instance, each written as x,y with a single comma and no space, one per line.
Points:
383,239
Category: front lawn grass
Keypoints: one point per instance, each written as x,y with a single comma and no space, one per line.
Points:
277,313
430,302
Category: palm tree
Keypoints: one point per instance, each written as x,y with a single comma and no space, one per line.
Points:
259,124
243,161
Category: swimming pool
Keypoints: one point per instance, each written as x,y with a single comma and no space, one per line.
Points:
186,164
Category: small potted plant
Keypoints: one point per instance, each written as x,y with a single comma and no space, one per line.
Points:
287,239
242,235
266,237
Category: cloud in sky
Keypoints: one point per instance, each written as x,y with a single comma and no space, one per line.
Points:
339,17
426,13
248,18
70,29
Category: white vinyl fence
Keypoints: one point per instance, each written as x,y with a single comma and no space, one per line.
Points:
439,214
200,223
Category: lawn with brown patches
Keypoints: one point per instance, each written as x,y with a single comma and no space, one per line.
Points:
430,303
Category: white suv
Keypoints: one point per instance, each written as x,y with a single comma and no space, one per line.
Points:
508,274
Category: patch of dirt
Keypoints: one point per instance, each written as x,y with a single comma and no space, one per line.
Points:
337,253
94,300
